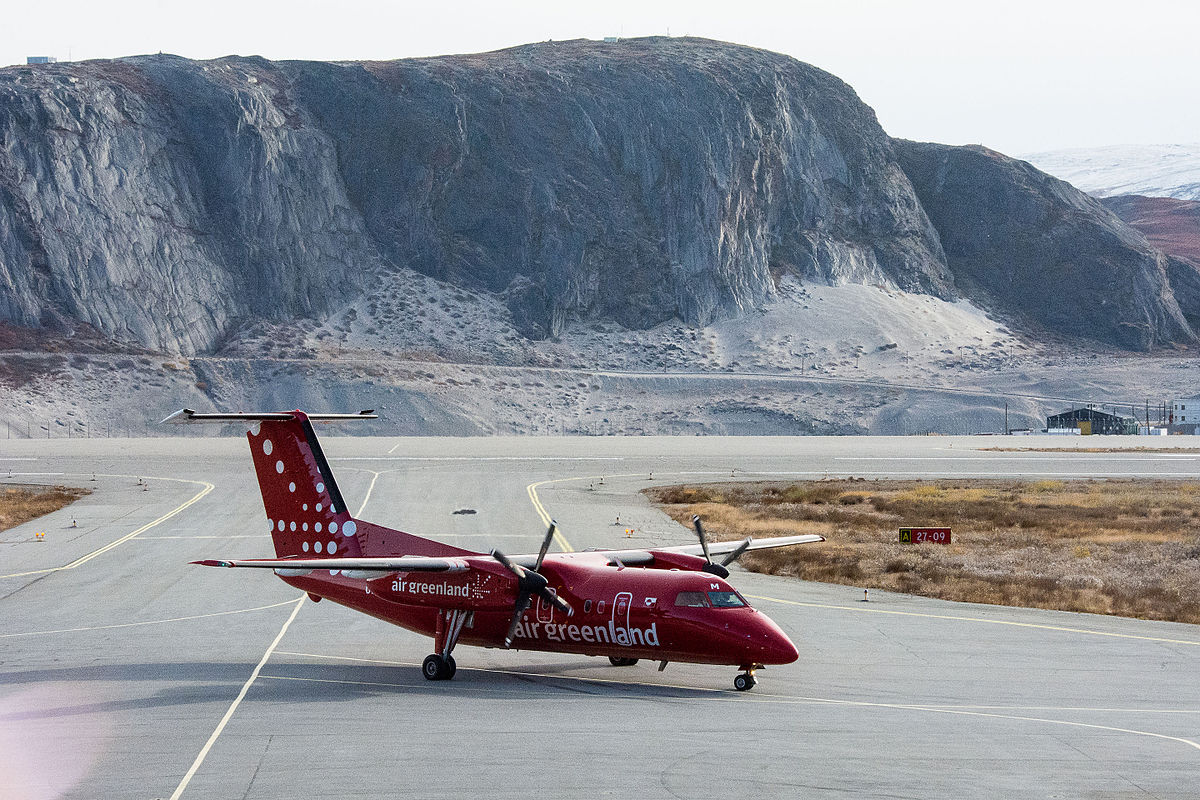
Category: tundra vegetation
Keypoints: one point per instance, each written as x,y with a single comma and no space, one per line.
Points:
1123,547
19,504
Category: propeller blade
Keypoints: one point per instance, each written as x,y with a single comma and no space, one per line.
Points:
703,538
737,553
545,545
522,606
513,568
551,597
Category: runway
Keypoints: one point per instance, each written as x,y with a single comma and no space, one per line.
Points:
126,673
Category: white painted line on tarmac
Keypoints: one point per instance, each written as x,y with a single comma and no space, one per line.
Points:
208,487
479,458
985,620
1087,457
239,536
253,675
147,622
187,778
985,715
728,696
901,472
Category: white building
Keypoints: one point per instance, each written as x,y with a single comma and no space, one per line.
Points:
1185,415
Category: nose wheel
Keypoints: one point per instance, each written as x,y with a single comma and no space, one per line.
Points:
745,681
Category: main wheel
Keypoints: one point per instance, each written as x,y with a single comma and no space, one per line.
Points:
744,682
435,669
451,667
622,662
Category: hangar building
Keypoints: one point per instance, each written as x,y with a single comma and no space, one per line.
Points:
1094,421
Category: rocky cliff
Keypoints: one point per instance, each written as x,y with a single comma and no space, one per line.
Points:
1172,226
162,200
165,202
1038,248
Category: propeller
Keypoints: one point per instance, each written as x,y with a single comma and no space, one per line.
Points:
529,583
736,553
717,569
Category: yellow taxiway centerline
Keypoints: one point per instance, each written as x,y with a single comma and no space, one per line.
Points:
208,487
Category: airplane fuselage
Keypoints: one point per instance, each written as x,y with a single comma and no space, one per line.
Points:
674,615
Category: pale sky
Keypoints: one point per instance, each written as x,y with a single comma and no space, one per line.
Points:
1018,76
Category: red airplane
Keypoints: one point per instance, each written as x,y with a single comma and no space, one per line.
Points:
663,604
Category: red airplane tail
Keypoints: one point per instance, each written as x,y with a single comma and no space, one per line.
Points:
305,508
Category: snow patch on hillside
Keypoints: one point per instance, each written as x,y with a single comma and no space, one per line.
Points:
1165,170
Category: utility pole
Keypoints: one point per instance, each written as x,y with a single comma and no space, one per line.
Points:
1006,428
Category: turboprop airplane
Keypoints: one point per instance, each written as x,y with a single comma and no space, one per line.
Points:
663,604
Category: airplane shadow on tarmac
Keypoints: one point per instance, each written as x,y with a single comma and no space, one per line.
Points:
299,682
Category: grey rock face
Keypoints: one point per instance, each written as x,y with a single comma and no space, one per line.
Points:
163,200
638,181
159,200
1037,247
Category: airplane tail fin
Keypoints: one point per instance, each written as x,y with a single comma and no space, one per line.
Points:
304,505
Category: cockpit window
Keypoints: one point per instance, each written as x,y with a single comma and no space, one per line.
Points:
725,599
692,599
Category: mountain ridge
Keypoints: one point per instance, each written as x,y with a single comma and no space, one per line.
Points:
173,204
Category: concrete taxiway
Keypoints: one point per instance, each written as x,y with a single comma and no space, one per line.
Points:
126,673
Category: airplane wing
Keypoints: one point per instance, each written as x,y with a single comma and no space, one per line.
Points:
720,548
633,558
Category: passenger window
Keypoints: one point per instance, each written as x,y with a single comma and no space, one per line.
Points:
587,606
600,607
691,600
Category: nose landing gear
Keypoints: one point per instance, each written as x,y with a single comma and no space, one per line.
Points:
746,681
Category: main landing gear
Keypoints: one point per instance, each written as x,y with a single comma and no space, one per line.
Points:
622,662
746,681
436,668
440,666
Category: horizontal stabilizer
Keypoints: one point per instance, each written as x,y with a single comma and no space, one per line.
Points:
187,416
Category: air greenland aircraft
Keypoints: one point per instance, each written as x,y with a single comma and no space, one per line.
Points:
663,604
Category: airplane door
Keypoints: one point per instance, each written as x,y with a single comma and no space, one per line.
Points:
545,612
620,613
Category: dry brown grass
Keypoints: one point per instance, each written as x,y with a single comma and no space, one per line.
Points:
19,504
1124,547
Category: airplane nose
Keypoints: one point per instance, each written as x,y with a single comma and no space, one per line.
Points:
773,645
781,650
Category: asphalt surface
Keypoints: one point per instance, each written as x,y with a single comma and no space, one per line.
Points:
126,673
